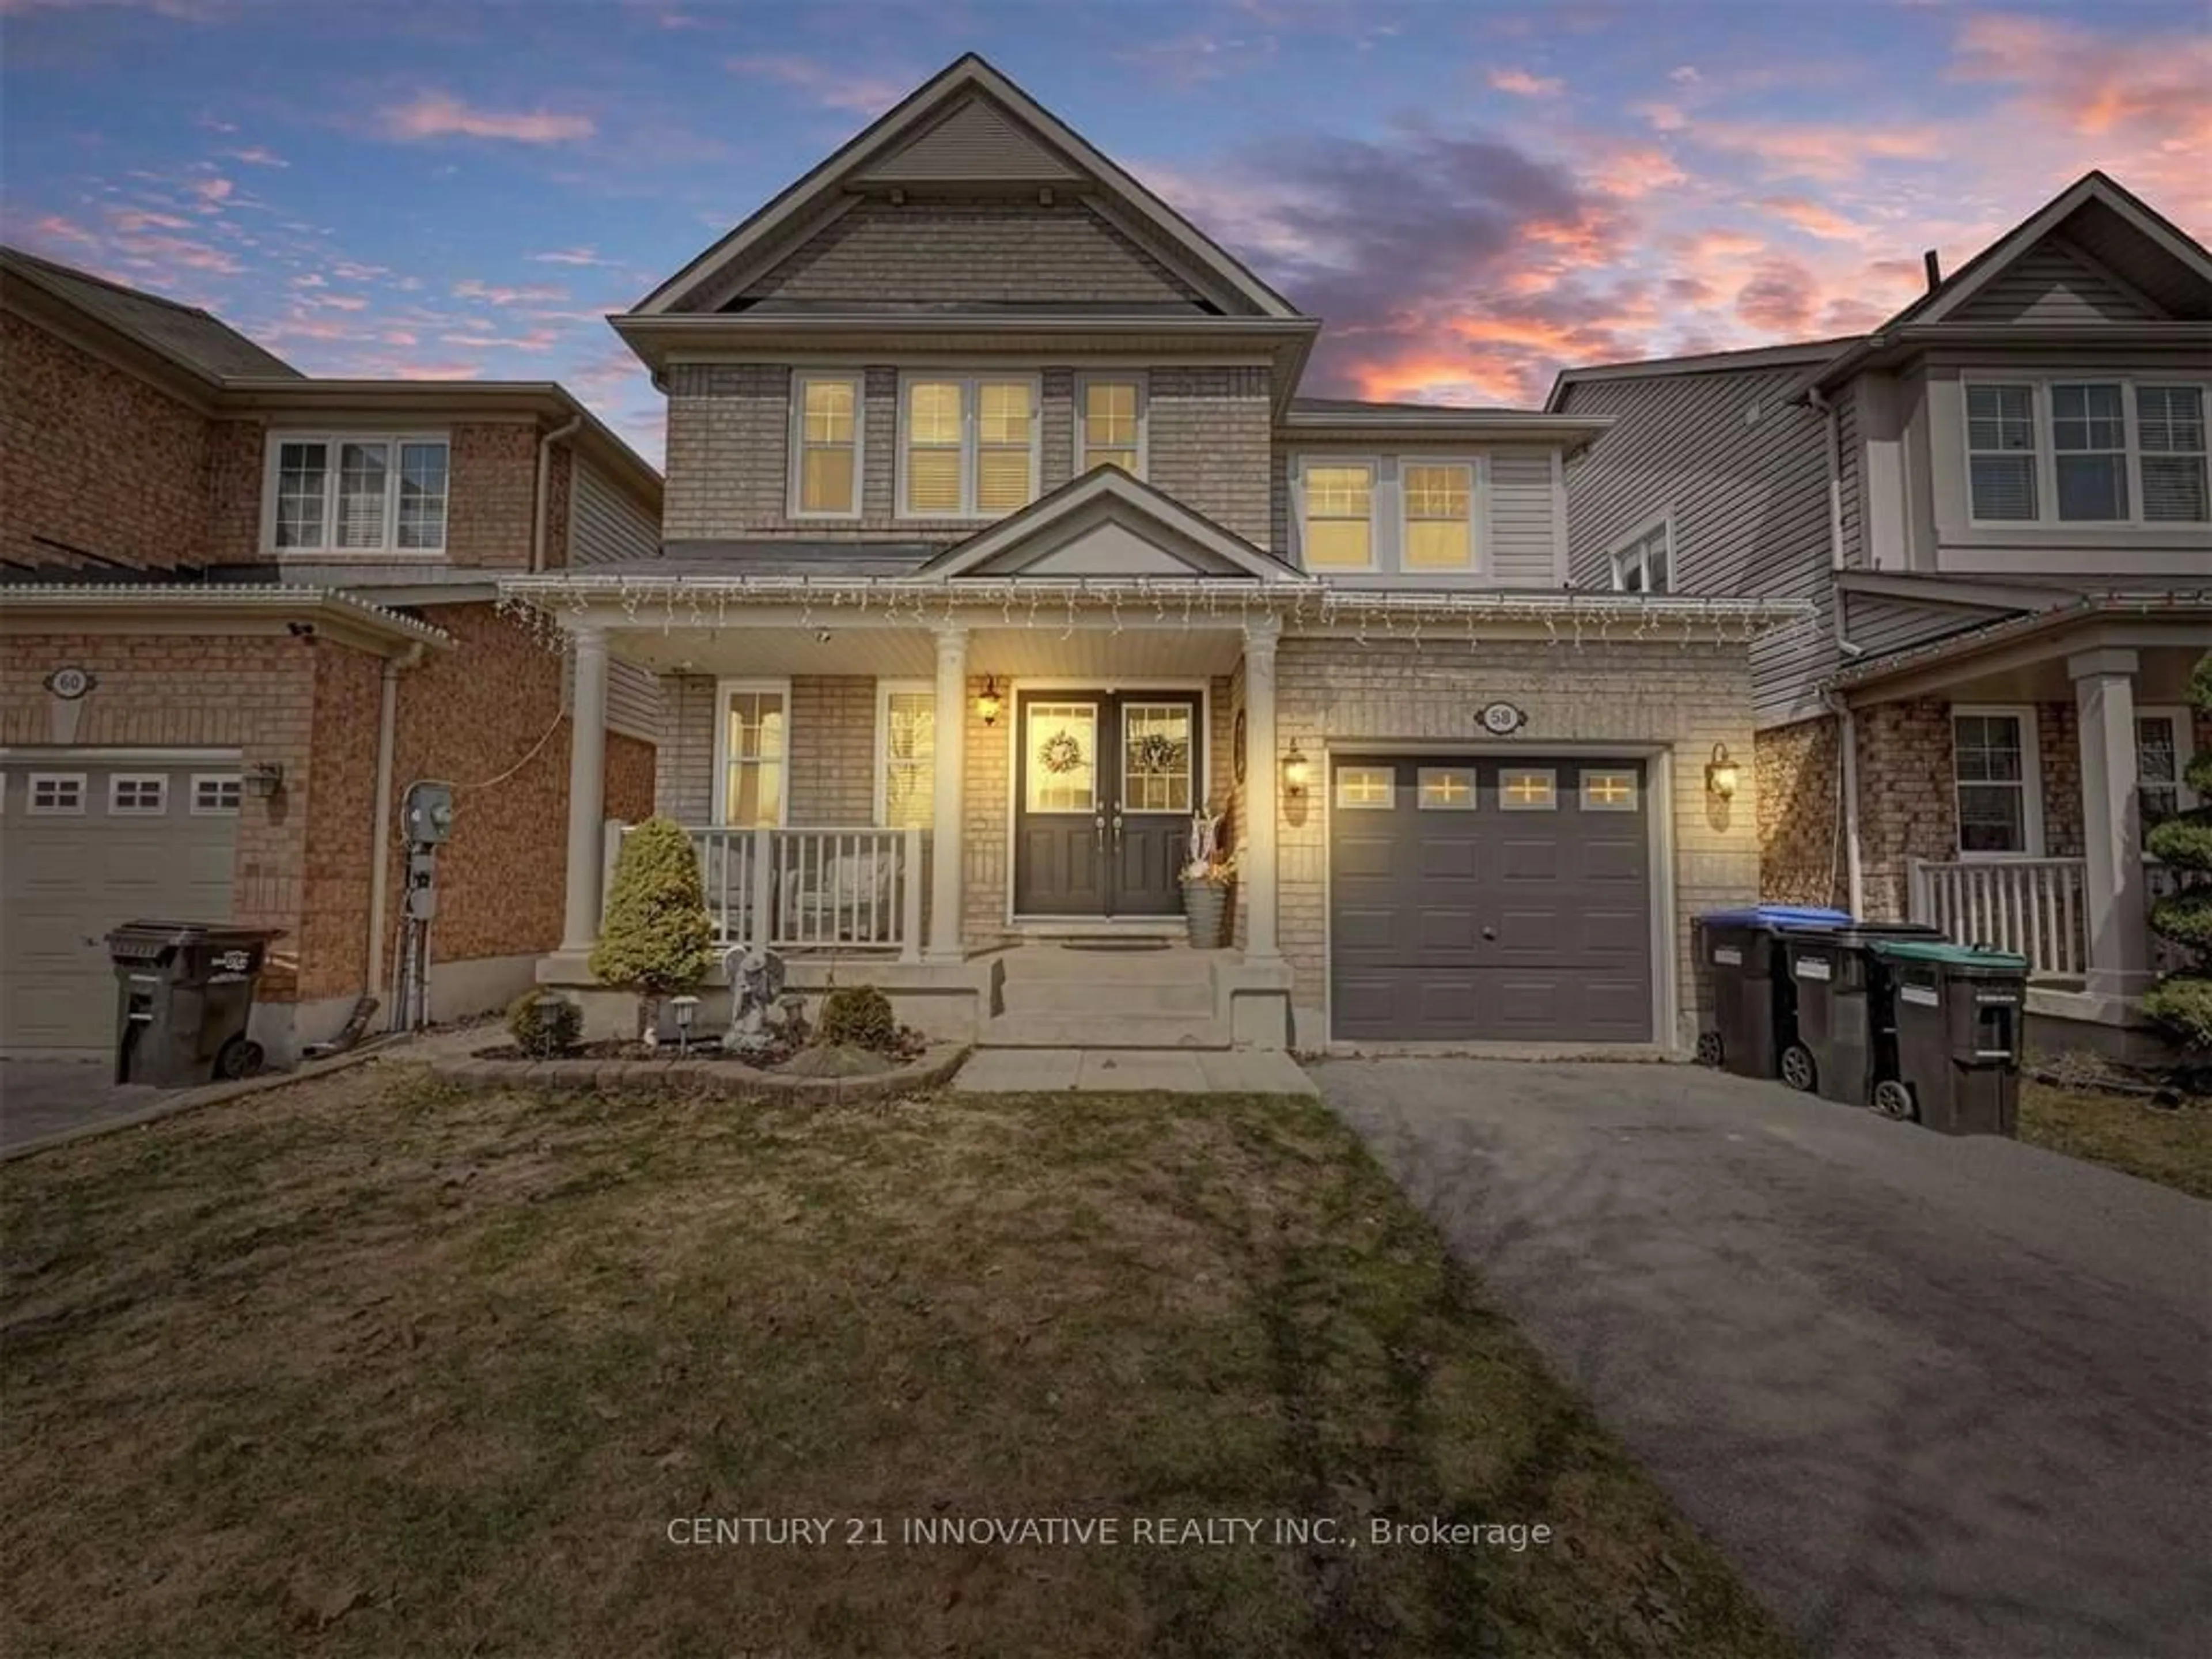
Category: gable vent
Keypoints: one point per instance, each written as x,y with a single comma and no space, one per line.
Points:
976,142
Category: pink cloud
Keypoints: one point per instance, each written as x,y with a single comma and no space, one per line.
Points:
439,115
1812,218
153,252
1521,84
129,220
490,294
1780,298
570,256
55,228
255,156
868,94
1830,153
213,193
538,339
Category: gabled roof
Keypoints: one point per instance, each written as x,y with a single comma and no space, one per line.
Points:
940,131
1803,355
1105,496
193,339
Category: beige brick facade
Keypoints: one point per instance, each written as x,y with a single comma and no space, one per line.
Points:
1801,834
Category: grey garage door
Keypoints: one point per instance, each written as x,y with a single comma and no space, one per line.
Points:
1489,900
83,847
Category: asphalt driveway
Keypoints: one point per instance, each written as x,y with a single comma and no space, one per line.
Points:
1937,1397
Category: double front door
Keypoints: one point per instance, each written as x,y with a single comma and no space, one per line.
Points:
1105,783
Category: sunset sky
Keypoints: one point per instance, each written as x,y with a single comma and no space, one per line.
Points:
1472,195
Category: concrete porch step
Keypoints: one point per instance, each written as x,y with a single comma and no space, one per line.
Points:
1091,1030
1107,999
1062,965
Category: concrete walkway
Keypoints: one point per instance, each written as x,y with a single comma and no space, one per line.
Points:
1937,1399
1132,1070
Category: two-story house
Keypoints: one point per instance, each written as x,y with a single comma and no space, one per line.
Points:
1000,541
241,610
1998,503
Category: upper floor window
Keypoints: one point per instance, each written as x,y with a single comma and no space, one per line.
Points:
1409,515
826,470
1109,431
1645,565
1340,516
2109,451
1439,515
355,492
970,446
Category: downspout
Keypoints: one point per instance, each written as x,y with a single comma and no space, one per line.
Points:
1847,739
387,720
1847,730
545,489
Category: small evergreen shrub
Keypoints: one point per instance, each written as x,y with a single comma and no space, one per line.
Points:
657,941
2182,1001
860,1017
543,1025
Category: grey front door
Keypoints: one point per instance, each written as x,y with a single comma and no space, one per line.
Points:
1104,785
1482,899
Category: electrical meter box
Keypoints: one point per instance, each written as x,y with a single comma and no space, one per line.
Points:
429,813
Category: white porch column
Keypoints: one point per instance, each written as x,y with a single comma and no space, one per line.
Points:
2112,824
1263,767
587,789
951,774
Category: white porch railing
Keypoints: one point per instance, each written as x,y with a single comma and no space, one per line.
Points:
2033,908
813,890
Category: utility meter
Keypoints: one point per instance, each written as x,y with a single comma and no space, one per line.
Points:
428,815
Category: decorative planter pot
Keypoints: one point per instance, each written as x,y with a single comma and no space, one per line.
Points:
1204,906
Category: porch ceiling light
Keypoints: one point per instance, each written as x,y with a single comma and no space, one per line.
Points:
986,705
1296,773
1720,774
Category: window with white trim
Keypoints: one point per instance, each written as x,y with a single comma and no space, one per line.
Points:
906,775
1439,498
1366,788
1528,789
131,794
1994,773
2001,462
1446,789
2089,450
1646,564
1340,515
1109,423
1608,792
826,446
2115,451
753,747
357,493
217,794
55,794
968,447
2170,435
2164,744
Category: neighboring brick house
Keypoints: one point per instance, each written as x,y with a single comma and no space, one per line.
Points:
243,610
1000,539
1999,503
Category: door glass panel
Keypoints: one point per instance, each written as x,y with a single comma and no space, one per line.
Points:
1156,758
1062,739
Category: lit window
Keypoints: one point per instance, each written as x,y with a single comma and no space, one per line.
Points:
910,729
216,794
1439,517
1339,516
56,794
1645,565
755,743
1365,788
828,449
1528,790
1112,415
1446,789
970,448
131,794
1608,792
358,494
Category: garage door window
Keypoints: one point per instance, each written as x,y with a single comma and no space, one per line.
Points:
56,794
216,794
1365,789
137,797
1608,792
1531,790
1447,789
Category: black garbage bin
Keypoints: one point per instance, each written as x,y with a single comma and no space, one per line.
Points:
1846,1034
184,993
1747,989
1959,1013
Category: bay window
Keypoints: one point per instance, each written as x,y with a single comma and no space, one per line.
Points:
969,446
2113,452
356,493
826,480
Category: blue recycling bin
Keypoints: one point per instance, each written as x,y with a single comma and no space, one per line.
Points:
1752,999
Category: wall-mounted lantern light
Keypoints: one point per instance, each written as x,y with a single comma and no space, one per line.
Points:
987,706
265,780
1720,774
1296,774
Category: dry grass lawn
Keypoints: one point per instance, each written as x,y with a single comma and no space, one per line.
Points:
370,1367
2172,1147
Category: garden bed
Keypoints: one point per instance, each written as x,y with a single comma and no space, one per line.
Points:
608,1067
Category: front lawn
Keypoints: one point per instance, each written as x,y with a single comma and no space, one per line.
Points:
2171,1146
370,1367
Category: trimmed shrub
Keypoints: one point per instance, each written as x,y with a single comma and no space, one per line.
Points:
543,1025
657,941
2182,1001
859,1016
2184,1007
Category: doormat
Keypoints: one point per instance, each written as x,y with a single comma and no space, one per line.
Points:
1114,944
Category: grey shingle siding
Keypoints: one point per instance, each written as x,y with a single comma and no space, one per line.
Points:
2053,283
1851,503
1879,626
605,526
1522,550
1748,497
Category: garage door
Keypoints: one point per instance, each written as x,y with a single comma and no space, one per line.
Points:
1486,900
83,847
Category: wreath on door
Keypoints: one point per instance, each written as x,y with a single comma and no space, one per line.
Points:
1061,753
1158,752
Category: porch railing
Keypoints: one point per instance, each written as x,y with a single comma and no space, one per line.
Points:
813,890
2033,908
